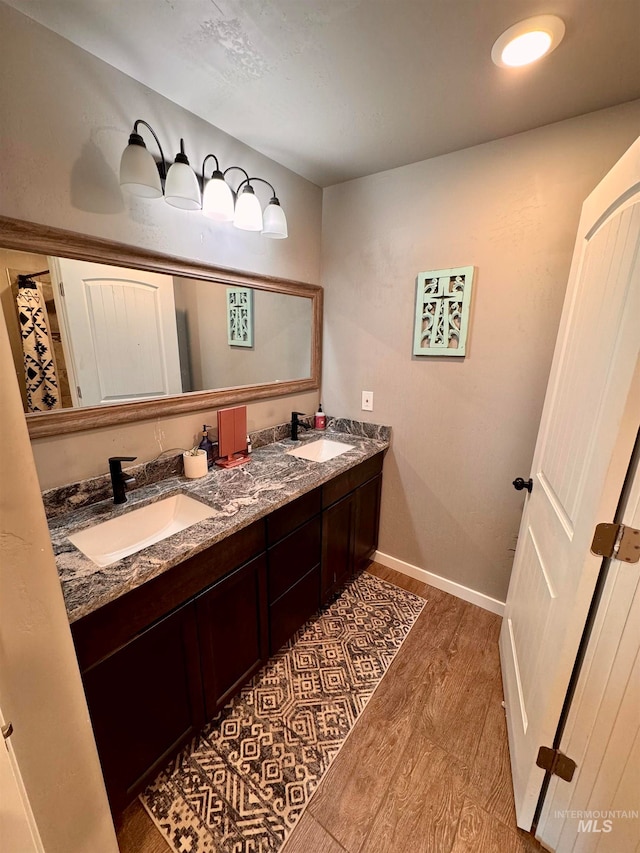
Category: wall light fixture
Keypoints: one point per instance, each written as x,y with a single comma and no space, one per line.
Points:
217,197
181,188
248,214
141,175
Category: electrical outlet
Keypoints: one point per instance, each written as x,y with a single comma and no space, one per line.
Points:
367,401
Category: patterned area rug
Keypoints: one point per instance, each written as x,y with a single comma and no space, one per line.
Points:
242,785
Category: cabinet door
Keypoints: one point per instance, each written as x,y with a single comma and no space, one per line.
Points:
337,545
145,701
232,626
367,520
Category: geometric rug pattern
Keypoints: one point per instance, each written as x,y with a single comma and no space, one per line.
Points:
243,783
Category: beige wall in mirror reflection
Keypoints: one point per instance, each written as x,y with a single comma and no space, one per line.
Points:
281,348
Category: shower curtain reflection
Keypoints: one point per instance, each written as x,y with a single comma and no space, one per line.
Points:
38,339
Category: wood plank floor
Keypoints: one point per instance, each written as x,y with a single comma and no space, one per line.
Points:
426,767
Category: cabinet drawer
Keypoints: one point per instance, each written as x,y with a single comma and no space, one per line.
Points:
293,557
284,520
350,480
293,609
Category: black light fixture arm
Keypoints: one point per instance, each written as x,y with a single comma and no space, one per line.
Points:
181,157
240,169
136,139
216,174
274,197
204,163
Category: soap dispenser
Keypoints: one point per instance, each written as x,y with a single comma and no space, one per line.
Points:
320,419
207,444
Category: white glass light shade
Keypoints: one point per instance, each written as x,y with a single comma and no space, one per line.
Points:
217,200
181,188
528,41
275,222
248,214
139,173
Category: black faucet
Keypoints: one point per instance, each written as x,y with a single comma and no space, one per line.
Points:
295,423
119,479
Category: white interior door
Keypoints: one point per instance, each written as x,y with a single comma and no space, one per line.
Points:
119,330
602,734
575,483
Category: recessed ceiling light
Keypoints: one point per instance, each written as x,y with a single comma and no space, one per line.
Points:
528,41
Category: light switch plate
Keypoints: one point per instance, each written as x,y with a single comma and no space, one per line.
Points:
367,401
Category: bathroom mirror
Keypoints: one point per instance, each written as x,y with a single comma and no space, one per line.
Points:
103,333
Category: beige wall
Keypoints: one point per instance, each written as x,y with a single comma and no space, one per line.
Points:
66,117
40,688
462,429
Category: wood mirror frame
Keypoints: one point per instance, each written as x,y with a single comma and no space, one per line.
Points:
42,239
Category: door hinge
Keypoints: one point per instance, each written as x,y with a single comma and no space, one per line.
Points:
554,762
79,392
7,730
62,288
617,541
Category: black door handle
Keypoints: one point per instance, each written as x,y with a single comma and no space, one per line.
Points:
519,484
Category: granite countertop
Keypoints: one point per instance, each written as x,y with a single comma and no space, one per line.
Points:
239,497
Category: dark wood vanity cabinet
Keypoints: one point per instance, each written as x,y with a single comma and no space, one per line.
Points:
232,628
145,700
164,657
366,522
337,545
350,520
158,661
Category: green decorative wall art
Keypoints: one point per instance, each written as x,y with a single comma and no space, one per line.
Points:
443,298
240,316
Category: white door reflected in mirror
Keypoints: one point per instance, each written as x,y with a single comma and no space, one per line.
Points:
118,332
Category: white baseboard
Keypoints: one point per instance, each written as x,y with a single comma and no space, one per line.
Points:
446,585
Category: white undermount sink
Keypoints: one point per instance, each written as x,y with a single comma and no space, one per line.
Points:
321,450
110,541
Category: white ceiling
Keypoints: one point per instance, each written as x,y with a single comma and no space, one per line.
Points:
337,89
